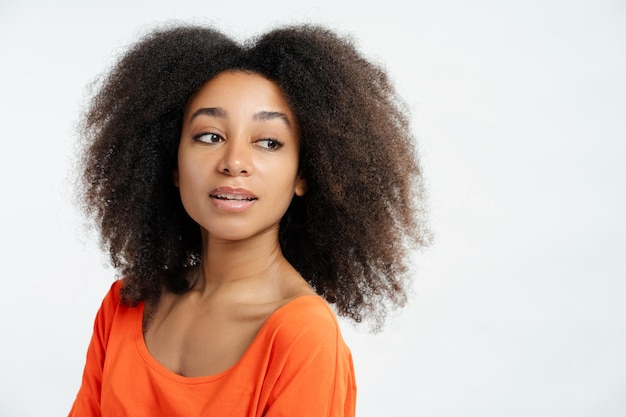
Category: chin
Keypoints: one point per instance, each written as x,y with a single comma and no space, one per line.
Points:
234,233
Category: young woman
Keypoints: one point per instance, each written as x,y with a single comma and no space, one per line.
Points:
238,190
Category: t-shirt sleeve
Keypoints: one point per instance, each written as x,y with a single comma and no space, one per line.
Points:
87,402
314,375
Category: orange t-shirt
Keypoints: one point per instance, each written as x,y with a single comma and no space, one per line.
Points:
297,365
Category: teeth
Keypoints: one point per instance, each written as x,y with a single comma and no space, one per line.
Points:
233,197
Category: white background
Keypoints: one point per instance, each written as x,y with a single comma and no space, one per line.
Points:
518,307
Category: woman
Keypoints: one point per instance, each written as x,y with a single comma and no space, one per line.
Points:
238,189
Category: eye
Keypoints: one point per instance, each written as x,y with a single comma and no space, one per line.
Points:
269,144
208,137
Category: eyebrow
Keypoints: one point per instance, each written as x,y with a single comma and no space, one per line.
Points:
271,115
260,115
209,111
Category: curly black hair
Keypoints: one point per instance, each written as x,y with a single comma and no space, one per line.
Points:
350,234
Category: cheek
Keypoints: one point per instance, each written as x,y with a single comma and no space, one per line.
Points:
190,180
283,176
191,166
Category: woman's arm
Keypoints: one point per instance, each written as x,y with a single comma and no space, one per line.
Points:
87,402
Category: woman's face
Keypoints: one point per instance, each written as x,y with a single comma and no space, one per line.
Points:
238,156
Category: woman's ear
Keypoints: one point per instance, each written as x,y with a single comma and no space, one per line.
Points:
175,177
300,188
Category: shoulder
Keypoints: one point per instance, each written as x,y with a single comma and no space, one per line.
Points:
305,324
113,297
110,306
308,312
310,369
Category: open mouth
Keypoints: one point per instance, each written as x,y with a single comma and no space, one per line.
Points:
233,197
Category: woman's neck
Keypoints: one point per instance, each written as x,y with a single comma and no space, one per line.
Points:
254,267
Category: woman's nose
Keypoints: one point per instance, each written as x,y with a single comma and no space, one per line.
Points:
236,158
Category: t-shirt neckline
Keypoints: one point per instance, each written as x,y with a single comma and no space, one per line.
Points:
155,365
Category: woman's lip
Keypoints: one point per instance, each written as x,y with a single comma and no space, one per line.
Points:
233,200
232,193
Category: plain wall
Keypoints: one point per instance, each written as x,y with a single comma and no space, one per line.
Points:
517,308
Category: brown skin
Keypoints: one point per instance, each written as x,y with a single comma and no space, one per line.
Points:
204,332
243,277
